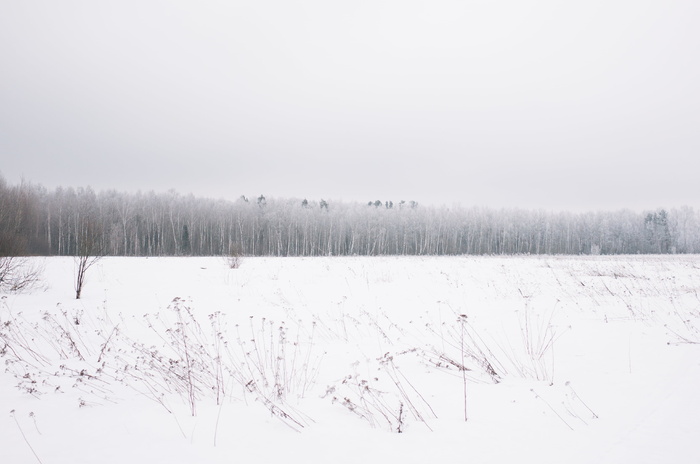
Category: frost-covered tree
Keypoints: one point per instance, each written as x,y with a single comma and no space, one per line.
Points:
35,221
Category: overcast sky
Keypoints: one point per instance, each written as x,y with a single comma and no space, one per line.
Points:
561,105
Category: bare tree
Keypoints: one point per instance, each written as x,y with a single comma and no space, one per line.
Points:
89,249
83,264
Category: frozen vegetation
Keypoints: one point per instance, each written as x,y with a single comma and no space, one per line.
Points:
544,359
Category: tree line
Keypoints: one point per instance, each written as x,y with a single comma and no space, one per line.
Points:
80,221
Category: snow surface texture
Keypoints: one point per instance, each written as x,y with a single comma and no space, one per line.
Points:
184,360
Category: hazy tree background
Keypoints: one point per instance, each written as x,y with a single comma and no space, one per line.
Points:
67,221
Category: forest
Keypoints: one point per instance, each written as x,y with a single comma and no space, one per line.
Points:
79,221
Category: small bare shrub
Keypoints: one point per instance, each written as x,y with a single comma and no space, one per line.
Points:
234,258
18,274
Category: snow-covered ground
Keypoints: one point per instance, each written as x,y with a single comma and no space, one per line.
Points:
183,360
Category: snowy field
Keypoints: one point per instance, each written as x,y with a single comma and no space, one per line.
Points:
326,360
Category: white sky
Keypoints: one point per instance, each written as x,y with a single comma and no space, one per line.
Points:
537,104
